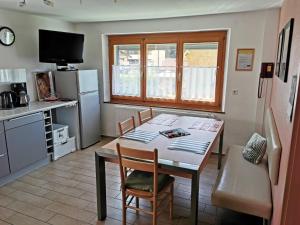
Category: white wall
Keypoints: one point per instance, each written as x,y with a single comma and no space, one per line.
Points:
243,112
24,52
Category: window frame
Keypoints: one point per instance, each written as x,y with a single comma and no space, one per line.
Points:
179,39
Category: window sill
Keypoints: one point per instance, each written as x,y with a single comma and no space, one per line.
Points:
202,108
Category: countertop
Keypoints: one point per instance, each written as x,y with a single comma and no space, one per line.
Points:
33,108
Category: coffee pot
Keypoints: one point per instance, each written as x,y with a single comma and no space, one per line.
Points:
23,98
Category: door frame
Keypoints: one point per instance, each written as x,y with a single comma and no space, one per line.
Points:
291,204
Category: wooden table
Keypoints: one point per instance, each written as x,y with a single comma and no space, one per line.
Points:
178,163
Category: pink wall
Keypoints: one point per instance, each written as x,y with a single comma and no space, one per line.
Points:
279,103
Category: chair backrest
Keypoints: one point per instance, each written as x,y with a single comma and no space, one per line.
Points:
126,125
137,159
273,146
145,115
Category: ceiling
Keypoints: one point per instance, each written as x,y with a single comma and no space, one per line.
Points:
115,10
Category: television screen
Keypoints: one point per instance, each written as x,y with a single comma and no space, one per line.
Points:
60,47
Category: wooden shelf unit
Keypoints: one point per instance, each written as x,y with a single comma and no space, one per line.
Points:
48,130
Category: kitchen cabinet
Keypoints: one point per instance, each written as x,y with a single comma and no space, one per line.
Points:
26,141
4,165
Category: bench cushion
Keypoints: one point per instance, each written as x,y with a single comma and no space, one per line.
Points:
243,186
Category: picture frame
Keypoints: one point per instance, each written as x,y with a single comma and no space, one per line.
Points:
44,85
286,50
279,54
291,103
245,59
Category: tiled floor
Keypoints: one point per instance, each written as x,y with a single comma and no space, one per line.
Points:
63,193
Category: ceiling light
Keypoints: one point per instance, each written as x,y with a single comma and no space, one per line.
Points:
22,3
49,3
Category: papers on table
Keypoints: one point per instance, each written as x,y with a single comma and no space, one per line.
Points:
140,135
207,125
198,147
165,120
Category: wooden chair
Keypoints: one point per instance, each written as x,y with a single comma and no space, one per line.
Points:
145,115
144,182
126,125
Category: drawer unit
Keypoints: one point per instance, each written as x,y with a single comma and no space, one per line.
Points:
4,165
60,133
23,120
64,148
25,139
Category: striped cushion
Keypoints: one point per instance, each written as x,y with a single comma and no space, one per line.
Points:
255,149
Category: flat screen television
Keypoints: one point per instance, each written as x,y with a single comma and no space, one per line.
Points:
60,47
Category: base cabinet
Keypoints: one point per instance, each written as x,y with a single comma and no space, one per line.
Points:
25,139
4,165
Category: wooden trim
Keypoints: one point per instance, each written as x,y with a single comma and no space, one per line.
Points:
179,39
199,107
290,208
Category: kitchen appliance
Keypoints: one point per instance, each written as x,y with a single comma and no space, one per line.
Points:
82,85
7,99
21,97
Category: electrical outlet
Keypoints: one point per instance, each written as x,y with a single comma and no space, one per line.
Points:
235,92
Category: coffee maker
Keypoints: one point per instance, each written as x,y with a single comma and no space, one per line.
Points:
21,97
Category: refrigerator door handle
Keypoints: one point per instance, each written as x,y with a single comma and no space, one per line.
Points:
88,92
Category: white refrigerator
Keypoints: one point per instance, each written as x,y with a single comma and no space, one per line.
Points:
82,85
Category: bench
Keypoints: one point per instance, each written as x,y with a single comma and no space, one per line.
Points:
245,187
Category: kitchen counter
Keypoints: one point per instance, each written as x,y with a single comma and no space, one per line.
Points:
33,108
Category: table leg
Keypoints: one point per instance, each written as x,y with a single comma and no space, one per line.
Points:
195,198
101,187
220,150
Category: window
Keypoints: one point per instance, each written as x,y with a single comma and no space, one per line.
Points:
126,70
161,71
183,70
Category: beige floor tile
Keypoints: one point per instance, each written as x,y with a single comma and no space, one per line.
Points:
5,213
87,187
63,189
18,185
68,200
85,179
6,190
30,198
116,214
30,210
84,172
61,180
88,196
33,181
108,221
60,173
72,212
19,219
64,220
5,200
4,223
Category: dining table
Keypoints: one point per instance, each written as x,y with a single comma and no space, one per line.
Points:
172,161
